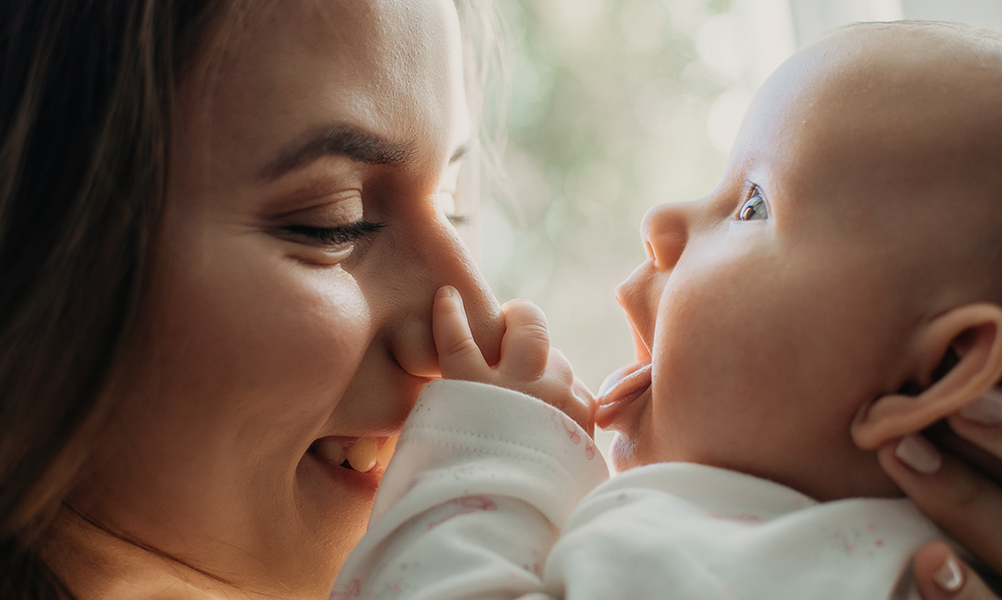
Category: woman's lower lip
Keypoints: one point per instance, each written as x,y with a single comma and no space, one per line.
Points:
621,393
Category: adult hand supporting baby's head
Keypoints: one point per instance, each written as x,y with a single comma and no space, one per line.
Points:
528,364
942,576
961,499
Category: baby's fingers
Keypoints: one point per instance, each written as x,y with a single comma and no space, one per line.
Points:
525,347
459,357
581,402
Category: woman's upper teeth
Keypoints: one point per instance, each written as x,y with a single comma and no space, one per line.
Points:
362,454
329,449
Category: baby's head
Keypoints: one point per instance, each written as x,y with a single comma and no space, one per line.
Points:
852,252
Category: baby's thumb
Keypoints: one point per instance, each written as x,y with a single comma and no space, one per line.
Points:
458,355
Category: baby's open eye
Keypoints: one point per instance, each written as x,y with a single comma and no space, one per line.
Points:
754,207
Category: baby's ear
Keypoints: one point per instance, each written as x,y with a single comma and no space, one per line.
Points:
957,357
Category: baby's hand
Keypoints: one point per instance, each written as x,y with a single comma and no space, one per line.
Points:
527,364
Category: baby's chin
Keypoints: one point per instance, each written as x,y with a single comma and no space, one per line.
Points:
625,453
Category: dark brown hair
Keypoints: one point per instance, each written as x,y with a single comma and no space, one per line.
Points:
86,95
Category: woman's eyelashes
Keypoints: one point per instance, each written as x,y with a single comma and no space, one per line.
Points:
754,208
335,237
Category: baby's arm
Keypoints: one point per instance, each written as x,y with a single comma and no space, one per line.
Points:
483,477
528,364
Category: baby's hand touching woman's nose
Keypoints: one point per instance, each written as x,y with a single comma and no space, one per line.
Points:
528,364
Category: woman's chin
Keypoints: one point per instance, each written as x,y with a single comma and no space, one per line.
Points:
332,489
334,503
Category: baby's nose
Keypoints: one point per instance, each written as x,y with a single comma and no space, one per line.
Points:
665,232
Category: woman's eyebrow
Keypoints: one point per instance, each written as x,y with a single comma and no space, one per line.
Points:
342,140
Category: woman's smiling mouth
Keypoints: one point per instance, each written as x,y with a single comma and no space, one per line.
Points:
357,454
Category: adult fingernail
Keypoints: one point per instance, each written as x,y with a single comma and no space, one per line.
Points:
949,576
987,409
919,454
445,291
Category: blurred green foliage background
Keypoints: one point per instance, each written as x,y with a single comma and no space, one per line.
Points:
618,105
613,110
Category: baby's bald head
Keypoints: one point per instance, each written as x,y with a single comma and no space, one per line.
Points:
905,119
797,317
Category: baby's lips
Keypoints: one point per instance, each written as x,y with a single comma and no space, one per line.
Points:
620,390
615,377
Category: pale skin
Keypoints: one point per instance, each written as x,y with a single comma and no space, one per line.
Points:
844,254
280,319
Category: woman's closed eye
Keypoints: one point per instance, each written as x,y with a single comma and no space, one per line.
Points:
329,245
341,235
754,208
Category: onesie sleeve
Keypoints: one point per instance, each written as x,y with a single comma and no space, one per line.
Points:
481,483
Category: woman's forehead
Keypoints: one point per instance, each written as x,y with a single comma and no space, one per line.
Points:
391,67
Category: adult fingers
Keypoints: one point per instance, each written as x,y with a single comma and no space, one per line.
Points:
459,357
940,575
962,501
525,348
980,422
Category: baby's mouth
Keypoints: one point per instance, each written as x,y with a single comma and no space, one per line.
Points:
357,454
614,379
620,389
625,384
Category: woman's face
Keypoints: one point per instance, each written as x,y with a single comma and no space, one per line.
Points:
279,315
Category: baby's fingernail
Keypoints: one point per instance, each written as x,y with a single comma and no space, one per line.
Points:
919,454
987,409
949,576
446,291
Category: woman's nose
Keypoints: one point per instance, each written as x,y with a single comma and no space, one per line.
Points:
665,231
438,257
